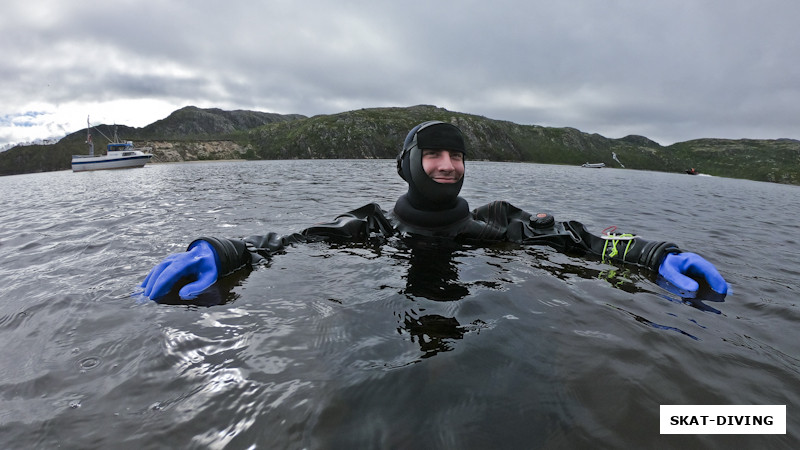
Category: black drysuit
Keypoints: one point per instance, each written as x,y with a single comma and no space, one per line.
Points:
495,222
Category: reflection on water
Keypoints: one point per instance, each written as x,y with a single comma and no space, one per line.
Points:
388,343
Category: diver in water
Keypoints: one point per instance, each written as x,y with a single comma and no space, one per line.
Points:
432,163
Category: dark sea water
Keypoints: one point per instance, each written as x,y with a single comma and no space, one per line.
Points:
376,345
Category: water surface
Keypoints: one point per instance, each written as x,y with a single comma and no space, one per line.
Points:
380,345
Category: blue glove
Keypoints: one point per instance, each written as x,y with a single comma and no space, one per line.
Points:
199,262
676,267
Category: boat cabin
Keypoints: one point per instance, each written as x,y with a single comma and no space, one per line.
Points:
119,146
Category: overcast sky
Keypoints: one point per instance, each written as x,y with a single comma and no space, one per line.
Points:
671,70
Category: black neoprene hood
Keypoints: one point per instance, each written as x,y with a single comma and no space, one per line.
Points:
423,192
440,136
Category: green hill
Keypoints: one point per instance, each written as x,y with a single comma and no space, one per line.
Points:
191,123
194,133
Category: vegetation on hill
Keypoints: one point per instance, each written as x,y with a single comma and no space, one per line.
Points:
193,123
193,133
776,161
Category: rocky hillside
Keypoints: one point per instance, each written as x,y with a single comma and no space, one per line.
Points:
191,134
179,151
378,133
195,123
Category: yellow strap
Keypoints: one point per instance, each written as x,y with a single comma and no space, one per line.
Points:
616,238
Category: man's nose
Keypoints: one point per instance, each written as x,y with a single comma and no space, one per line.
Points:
445,163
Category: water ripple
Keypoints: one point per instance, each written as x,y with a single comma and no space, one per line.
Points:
376,345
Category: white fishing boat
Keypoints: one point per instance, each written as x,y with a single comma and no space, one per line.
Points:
119,155
594,165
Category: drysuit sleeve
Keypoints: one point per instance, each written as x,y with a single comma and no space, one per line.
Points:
624,248
515,225
353,226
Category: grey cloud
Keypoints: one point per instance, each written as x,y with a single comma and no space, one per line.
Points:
669,70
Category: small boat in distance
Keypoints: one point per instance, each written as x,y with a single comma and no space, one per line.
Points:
594,165
119,155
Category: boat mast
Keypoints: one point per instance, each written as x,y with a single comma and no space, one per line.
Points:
89,137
